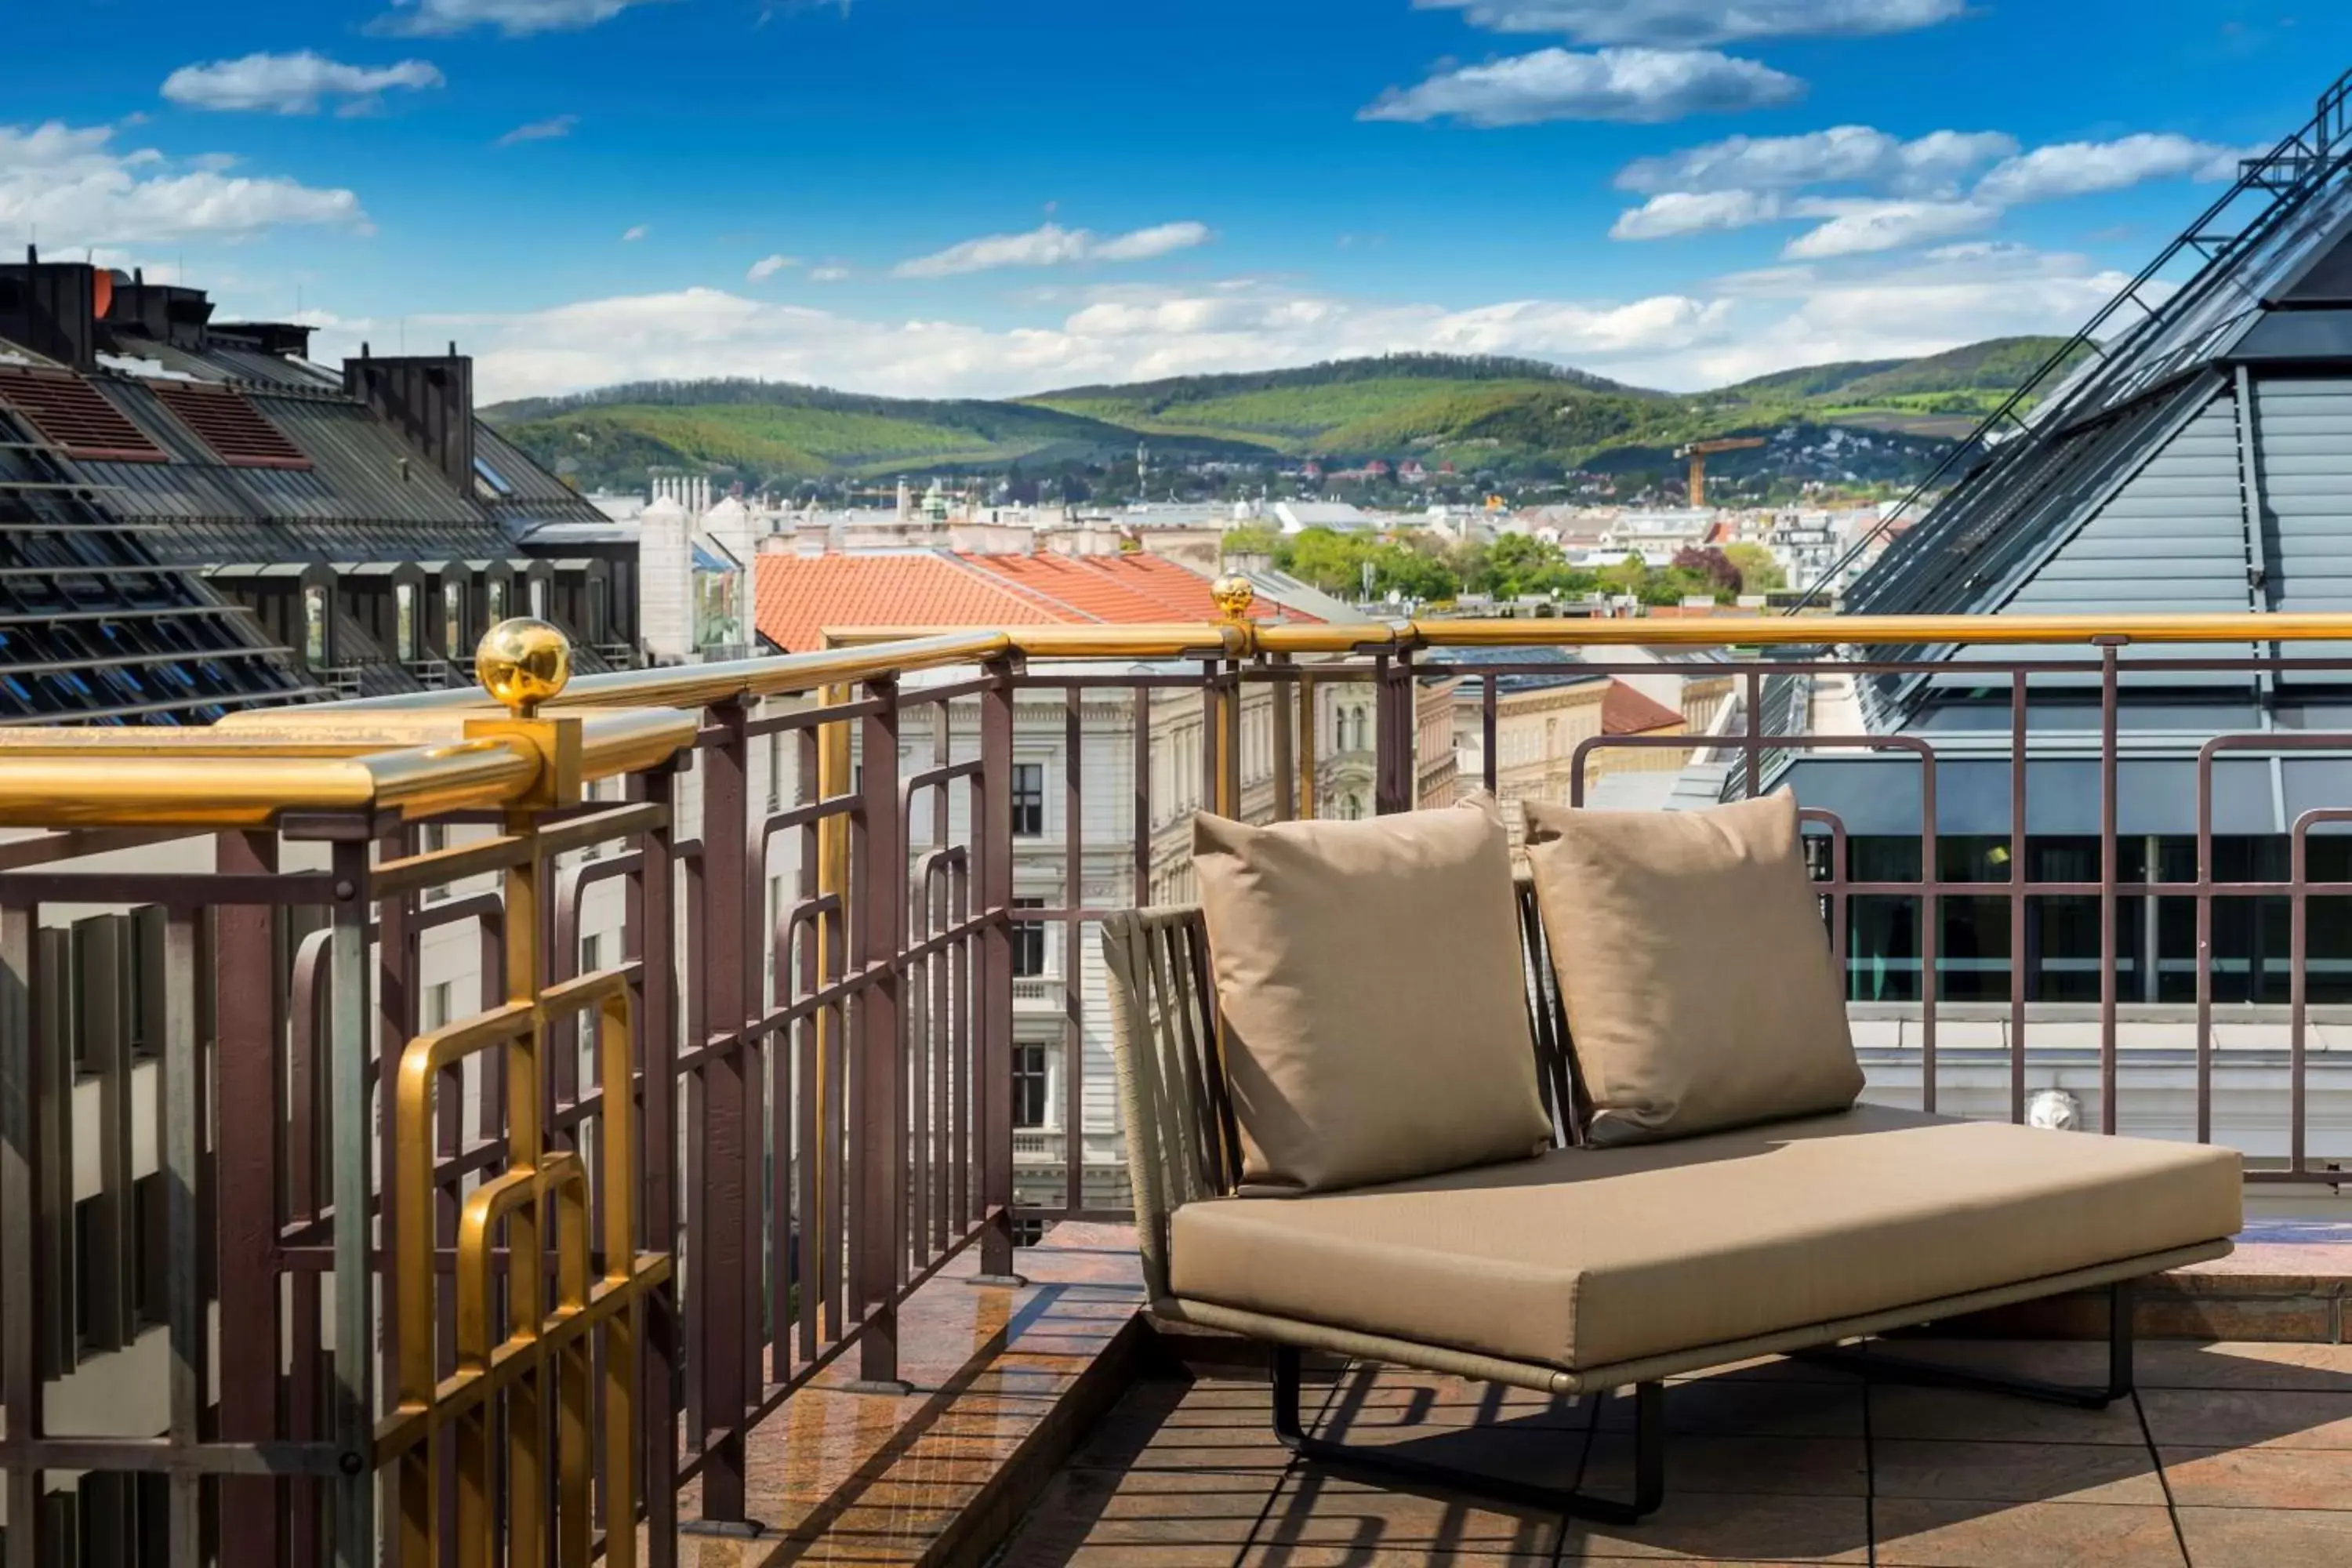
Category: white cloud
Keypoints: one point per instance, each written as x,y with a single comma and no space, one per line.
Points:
548,130
634,232
515,18
1841,154
293,84
1639,85
1688,23
2080,168
1108,333
1051,244
1860,226
767,267
1671,214
74,188
828,274
1812,313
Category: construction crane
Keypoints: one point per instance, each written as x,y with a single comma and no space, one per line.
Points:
1697,452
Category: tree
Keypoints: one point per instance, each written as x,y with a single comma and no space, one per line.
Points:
1711,567
1330,560
1252,539
1760,572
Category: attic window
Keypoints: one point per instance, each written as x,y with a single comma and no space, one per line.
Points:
74,417
491,480
223,420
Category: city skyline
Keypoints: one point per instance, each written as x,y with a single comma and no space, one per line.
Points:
901,197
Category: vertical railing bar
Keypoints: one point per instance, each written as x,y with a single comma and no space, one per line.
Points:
1141,765
247,1068
1490,765
1074,885
1930,926
1309,736
956,1194
993,837
653,888
718,1270
2017,757
1754,748
878,1243
2109,878
183,1154
2204,948
22,1261
809,1041
2298,996
354,1317
1280,713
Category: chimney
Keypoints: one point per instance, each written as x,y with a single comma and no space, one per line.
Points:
51,307
429,399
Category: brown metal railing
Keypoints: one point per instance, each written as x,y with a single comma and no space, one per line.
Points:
591,1262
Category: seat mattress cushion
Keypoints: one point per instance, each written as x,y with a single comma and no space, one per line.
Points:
1588,1257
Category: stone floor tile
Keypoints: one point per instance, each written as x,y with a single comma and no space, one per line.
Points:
1945,1532
1723,1462
2245,1418
1942,1533
1902,1410
2319,1368
2259,1477
2266,1538
2015,1472
1159,1554
1782,1409
1543,1457
1731,1527
1384,1557
1316,1507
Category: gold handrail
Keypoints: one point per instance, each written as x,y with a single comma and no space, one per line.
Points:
437,752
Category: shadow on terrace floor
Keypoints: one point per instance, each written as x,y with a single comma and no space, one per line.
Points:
2230,1454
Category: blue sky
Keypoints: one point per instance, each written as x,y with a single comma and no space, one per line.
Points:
989,196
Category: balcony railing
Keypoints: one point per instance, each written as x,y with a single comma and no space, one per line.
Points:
445,1239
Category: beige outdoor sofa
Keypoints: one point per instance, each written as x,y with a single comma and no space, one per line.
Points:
1589,1270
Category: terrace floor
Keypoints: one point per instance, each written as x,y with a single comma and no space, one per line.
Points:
2231,1456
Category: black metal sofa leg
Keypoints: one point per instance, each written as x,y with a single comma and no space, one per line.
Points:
1903,1369
1649,1457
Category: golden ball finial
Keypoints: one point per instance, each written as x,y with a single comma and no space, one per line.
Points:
1233,596
522,663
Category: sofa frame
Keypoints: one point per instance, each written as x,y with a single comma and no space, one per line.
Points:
1183,1145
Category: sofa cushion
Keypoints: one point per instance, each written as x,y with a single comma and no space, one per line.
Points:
1375,1011
1697,978
1590,1258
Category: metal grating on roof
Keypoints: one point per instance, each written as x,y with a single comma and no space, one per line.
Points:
226,421
76,417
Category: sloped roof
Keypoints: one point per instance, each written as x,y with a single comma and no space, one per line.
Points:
796,597
799,596
1625,711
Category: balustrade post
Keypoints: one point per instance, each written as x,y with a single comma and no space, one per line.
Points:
878,912
246,1068
717,1275
992,1035
651,928
353,1397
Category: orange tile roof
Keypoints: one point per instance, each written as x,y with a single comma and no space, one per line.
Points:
1625,711
797,596
1077,583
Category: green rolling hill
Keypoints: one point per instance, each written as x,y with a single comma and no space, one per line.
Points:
1507,417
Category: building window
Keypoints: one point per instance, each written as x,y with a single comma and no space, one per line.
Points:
314,623
498,600
440,1004
1029,1086
403,619
453,619
1029,940
591,955
1028,800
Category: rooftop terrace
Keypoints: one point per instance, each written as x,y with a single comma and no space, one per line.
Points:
775,1137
